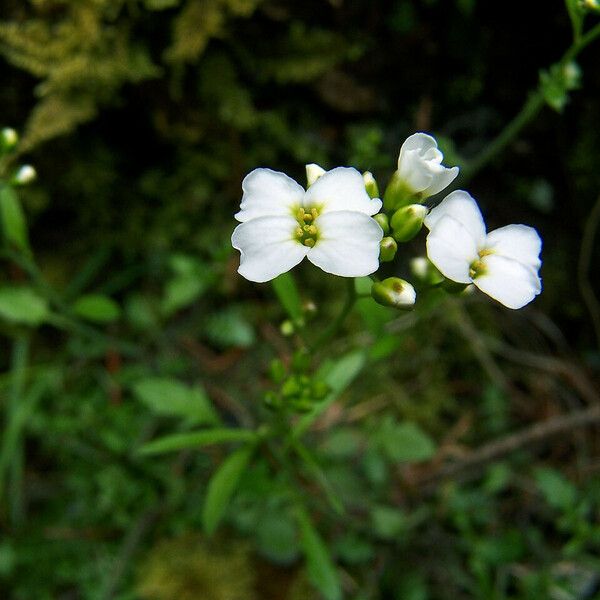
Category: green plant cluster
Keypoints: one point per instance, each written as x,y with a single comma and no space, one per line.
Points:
135,361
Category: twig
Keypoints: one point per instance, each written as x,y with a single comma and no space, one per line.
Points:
525,438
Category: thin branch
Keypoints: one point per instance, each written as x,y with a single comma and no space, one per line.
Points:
535,434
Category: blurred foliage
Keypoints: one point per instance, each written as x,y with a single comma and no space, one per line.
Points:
141,118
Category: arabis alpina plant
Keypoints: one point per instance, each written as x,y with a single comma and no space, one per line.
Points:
420,172
503,264
330,223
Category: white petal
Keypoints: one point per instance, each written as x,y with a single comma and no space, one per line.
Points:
508,281
414,171
519,242
452,249
342,188
462,207
267,247
268,193
348,244
442,178
313,172
421,142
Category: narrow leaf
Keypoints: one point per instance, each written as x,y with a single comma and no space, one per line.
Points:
222,486
287,293
14,225
319,564
22,305
97,308
170,397
196,439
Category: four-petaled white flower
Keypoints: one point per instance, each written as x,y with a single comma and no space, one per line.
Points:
503,263
330,223
420,168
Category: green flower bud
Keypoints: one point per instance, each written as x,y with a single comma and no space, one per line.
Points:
424,270
272,400
383,222
26,174
370,184
406,222
398,194
394,292
387,249
9,138
291,387
320,389
287,328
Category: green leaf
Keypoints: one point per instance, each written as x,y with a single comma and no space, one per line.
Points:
170,397
558,491
338,376
319,564
22,305
14,225
97,308
388,523
287,293
197,439
404,442
229,328
276,537
222,485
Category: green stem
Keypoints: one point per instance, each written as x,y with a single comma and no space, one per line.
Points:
533,105
335,325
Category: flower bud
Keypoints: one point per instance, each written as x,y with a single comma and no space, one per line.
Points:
383,222
397,194
387,249
370,184
25,175
406,222
394,292
287,328
8,139
313,172
424,270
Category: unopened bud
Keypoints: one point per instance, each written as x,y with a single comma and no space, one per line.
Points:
387,249
398,194
406,222
424,270
8,139
370,184
383,222
26,174
394,292
287,328
313,172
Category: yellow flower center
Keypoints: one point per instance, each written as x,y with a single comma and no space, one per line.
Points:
477,268
306,233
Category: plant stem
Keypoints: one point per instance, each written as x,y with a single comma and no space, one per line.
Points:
335,325
533,105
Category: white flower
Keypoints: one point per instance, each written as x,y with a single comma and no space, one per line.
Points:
419,166
503,264
330,223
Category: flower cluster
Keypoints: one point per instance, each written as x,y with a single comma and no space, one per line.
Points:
336,223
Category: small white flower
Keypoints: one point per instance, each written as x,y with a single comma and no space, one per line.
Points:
330,223
503,264
26,174
420,167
